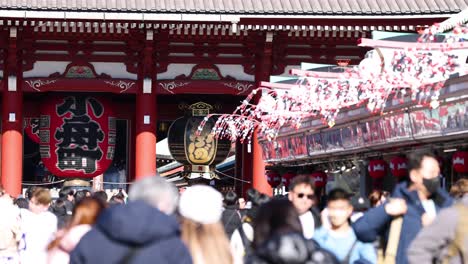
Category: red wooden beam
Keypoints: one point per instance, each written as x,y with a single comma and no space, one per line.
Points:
80,46
316,59
319,41
92,58
318,74
206,49
194,59
326,51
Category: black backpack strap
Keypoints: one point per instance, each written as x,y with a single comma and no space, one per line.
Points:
316,215
348,256
245,241
231,217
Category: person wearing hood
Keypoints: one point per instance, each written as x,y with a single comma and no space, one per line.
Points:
278,238
142,231
417,203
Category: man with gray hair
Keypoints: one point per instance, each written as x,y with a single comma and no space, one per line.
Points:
157,192
142,231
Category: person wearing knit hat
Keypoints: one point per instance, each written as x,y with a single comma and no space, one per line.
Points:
200,208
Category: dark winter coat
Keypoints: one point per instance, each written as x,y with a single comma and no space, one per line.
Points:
376,222
137,232
290,248
316,215
231,219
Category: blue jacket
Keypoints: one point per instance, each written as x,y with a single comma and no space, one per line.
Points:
341,246
136,231
376,222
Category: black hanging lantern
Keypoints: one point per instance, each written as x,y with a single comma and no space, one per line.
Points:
198,152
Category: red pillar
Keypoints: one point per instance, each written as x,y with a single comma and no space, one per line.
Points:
263,66
259,179
145,148
12,141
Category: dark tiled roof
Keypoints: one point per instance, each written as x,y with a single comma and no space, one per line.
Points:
298,7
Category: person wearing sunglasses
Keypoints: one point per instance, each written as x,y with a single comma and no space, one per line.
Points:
302,196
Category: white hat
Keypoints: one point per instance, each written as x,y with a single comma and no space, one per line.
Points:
201,204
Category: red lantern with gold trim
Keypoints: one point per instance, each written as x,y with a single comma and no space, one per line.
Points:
77,135
399,166
377,168
460,161
320,179
273,178
31,128
287,177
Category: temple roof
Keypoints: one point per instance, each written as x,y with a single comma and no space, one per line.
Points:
254,7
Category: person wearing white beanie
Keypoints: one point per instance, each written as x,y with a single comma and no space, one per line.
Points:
200,208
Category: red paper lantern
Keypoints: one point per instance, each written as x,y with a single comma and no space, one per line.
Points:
273,178
377,168
320,179
399,166
287,177
460,161
77,135
31,127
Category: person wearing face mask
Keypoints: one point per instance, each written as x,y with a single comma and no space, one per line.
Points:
446,239
339,238
417,203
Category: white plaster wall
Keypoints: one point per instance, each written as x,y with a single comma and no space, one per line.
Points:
114,69
236,71
116,53
174,70
46,68
387,54
51,52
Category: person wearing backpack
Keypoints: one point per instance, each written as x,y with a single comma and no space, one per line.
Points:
231,217
242,237
446,239
340,238
278,238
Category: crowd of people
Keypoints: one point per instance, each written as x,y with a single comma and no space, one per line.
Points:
419,222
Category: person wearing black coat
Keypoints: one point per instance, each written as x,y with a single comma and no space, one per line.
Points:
142,231
278,238
137,230
230,217
290,248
